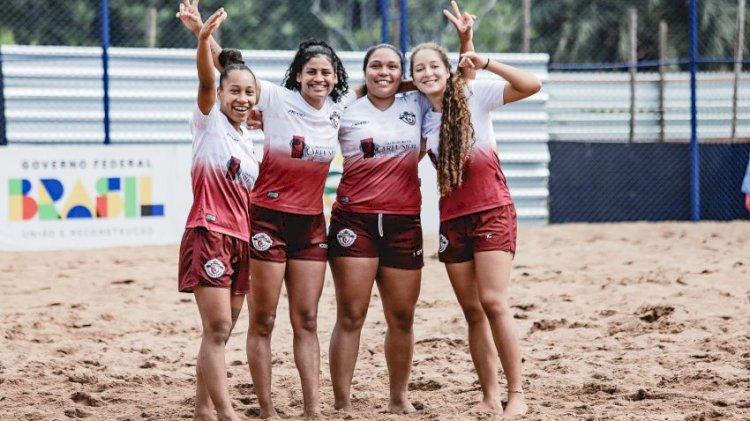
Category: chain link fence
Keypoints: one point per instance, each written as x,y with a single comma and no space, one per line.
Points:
618,69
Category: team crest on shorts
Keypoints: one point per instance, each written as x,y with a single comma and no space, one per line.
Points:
214,268
261,241
346,237
443,243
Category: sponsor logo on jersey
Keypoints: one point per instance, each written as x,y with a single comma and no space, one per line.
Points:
346,237
368,147
301,150
360,123
408,117
344,199
323,245
233,168
272,195
443,243
417,253
261,241
296,113
334,119
210,217
214,268
298,147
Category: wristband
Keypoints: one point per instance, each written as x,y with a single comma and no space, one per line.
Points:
488,63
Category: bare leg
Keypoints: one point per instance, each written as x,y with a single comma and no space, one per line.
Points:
214,305
481,346
264,298
493,277
304,283
399,291
204,408
353,278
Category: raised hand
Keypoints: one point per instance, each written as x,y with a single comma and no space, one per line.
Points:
255,120
464,22
212,24
190,16
470,60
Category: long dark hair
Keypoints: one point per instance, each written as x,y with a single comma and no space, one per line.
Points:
456,130
313,48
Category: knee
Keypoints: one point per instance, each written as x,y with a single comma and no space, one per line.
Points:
495,307
217,331
305,322
351,321
263,323
401,320
474,315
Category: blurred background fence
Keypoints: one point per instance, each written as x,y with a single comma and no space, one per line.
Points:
615,72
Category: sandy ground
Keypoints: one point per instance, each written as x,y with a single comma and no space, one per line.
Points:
617,321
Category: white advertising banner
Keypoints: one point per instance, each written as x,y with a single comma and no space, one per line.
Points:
81,197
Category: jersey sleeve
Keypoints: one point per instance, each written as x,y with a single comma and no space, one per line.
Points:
488,93
270,95
201,123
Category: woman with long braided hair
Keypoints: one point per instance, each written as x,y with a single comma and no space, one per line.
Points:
477,216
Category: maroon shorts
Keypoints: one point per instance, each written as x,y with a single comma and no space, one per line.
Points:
395,239
491,229
215,260
276,236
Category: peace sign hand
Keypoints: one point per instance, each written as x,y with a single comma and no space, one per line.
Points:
212,24
464,22
190,16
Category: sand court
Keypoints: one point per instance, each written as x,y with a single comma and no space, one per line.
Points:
616,321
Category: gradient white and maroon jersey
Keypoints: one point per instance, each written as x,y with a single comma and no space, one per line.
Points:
224,171
381,155
484,186
299,145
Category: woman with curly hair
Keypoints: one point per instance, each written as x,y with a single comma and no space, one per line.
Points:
287,225
477,216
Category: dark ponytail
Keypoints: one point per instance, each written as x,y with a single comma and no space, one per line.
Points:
230,59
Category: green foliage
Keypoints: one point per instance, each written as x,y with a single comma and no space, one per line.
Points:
571,31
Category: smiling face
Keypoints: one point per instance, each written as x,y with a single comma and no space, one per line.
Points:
317,80
237,96
383,73
430,72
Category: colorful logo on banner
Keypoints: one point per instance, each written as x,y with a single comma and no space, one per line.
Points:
115,197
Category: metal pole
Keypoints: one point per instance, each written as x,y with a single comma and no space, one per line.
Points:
526,26
385,21
662,81
695,191
404,23
739,46
633,31
3,133
105,65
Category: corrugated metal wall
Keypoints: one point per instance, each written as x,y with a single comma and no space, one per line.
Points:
596,106
54,95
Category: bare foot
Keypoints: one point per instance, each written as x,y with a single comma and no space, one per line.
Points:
204,416
312,414
229,416
516,407
485,411
401,408
269,415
